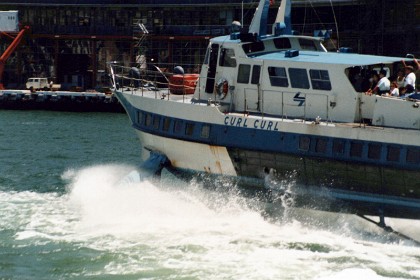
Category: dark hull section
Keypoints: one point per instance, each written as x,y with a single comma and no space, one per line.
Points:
334,185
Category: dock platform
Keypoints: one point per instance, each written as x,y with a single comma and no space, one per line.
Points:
59,101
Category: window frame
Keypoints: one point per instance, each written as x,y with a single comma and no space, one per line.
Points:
178,125
304,143
374,151
166,124
321,145
156,122
356,149
277,80
299,78
205,131
244,74
413,156
227,58
393,154
322,81
256,74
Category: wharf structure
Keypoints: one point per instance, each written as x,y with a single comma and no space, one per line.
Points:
71,41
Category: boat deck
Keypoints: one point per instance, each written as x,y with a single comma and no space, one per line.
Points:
158,93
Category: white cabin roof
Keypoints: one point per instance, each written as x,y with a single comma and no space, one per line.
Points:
350,59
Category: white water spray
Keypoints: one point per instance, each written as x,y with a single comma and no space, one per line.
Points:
186,231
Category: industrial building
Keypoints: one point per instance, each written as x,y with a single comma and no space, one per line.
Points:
71,41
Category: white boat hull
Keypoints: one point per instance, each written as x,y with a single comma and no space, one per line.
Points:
189,155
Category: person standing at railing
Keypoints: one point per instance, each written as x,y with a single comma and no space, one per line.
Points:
410,79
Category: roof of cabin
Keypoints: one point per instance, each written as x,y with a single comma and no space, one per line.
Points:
351,59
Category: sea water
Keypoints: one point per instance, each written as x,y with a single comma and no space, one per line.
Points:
66,212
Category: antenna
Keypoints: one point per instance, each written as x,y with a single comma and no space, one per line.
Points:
242,13
283,23
259,22
336,25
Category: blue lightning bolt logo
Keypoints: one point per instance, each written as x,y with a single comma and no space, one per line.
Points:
298,98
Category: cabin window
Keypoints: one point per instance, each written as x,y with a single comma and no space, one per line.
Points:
156,121
278,76
307,44
205,131
413,156
356,149
299,78
374,151
393,153
253,47
139,117
244,72
211,72
321,145
320,79
256,71
178,126
338,147
166,124
304,143
282,43
227,58
189,129
148,120
143,118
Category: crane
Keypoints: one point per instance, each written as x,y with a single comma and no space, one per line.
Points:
12,47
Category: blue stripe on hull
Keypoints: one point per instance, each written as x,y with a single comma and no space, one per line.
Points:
272,140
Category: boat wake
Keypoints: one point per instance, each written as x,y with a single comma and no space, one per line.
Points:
129,227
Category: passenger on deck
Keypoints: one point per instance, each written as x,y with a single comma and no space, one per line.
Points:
402,93
410,79
416,63
400,78
356,78
366,80
383,85
373,81
394,91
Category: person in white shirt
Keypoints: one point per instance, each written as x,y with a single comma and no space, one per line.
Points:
410,79
394,91
400,78
383,85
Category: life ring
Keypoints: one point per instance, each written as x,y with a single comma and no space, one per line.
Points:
222,88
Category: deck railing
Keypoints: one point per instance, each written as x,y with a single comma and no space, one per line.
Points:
157,79
151,78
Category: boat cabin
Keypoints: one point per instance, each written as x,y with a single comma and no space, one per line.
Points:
295,77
